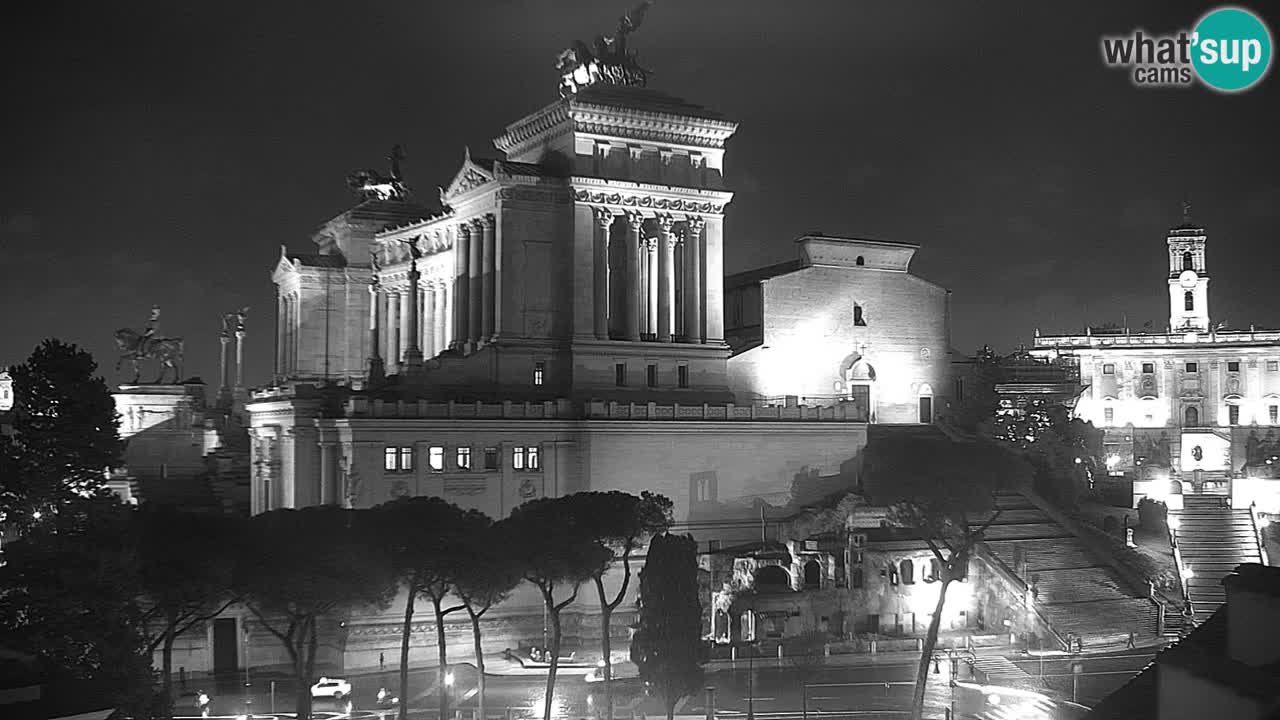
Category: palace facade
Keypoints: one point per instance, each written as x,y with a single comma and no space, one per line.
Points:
1193,409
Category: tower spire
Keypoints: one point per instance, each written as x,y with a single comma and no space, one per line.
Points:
1186,212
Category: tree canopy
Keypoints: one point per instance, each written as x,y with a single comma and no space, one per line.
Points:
65,433
667,645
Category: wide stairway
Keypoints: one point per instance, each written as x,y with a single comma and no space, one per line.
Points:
1212,539
1076,591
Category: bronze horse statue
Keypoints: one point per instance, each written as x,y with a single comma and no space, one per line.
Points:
134,346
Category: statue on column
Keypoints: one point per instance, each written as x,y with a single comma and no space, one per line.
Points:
374,280
137,345
607,60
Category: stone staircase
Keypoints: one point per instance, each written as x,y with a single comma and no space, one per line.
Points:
1212,540
1076,591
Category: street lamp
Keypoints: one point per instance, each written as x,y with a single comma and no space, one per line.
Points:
448,683
751,679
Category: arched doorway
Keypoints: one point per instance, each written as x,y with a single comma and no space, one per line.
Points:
1191,416
772,578
720,625
856,384
812,575
926,403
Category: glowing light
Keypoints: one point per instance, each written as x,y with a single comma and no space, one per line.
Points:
1187,573
1112,461
1078,461
448,678
1174,522
36,515
994,699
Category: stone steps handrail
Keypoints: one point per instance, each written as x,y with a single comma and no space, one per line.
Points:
1012,578
1257,532
600,410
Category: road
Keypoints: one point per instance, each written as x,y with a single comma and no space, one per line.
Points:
1101,674
773,691
874,691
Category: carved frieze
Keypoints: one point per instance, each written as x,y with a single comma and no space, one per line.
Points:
648,202
464,487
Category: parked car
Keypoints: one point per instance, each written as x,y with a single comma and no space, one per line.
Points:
386,699
335,688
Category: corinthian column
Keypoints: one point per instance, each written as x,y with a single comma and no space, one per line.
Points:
376,370
461,285
651,281
634,223
393,320
604,221
487,281
474,272
666,285
693,287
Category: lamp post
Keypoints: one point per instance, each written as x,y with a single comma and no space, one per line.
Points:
751,680
448,683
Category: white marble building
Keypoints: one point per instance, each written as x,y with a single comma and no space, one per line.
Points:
1198,390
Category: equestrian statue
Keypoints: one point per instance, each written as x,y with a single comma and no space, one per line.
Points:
146,345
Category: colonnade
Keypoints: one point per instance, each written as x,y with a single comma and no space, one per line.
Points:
651,282
448,312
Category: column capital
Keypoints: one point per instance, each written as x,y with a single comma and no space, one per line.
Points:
604,217
635,220
695,223
666,223
464,228
488,221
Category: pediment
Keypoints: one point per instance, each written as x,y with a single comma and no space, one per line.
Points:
469,177
284,266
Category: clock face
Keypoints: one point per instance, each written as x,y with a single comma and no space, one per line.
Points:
1188,278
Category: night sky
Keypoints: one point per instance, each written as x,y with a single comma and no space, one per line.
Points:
161,152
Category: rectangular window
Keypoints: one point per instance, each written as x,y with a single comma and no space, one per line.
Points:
435,458
1233,414
1148,368
702,487
1193,368
651,376
1109,369
1273,365
1233,366
959,389
397,459
406,459
620,374
491,458
525,458
389,459
464,458
1108,415
1273,414
682,376
538,369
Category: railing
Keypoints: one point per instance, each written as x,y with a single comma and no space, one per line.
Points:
422,409
1177,562
1257,532
599,410
1021,585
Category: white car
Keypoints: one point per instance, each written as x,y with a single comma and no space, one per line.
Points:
335,688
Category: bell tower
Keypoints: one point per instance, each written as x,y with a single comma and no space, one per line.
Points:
1188,278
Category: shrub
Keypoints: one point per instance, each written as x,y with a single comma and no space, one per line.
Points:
1153,514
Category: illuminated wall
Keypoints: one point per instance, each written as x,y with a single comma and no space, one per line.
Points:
831,325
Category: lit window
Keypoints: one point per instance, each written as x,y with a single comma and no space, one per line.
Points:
1148,368
491,458
517,458
406,458
389,459
1108,415
533,460
1233,366
620,374
682,376
464,458
1273,365
435,458
908,572
651,376
1233,414
1109,369
857,316
1193,367
525,458
397,459
538,369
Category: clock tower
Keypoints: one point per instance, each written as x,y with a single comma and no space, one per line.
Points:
1188,279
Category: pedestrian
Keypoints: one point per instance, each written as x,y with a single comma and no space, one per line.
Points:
382,661
1132,644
